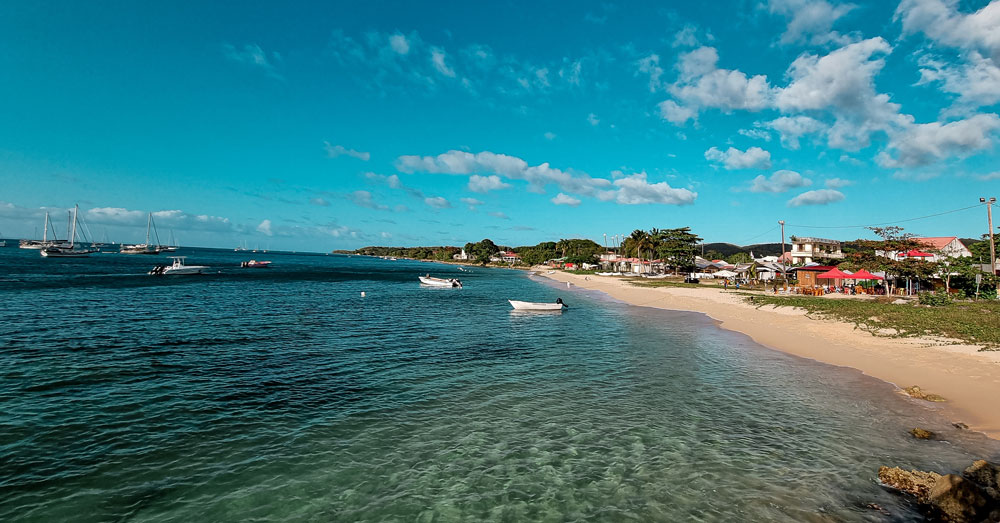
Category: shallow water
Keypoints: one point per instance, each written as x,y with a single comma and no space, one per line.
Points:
281,394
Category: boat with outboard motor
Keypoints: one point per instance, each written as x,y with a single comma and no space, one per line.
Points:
254,264
440,282
178,267
537,306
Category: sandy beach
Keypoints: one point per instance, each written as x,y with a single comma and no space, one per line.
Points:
969,380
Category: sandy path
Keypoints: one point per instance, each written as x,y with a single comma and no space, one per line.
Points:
968,379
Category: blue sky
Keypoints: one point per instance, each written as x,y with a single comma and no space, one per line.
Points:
338,125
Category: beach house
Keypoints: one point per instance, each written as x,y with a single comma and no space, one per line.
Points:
808,250
942,246
510,257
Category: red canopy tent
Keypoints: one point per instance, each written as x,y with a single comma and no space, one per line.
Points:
834,274
865,275
914,254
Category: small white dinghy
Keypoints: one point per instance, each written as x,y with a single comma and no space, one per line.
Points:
536,306
440,282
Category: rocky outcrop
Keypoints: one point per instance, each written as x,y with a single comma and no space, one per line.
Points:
920,433
913,482
974,496
917,393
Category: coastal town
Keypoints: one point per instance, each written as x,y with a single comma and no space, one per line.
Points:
896,264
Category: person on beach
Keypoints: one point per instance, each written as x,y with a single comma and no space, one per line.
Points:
725,284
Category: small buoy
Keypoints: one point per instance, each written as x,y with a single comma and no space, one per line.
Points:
362,294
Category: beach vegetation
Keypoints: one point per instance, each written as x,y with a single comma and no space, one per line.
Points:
676,247
973,322
481,251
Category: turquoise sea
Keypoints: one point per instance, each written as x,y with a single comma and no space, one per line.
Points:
281,394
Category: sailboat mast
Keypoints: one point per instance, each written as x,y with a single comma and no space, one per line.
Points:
72,238
149,222
45,232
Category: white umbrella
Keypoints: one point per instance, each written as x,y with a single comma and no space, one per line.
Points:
725,274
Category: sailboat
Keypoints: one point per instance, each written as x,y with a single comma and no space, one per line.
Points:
44,242
142,248
171,245
3,243
70,251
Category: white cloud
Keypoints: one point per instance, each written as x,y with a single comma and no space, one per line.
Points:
686,37
265,228
334,151
364,199
114,216
253,55
703,85
921,144
810,20
976,81
437,202
733,158
759,134
438,59
498,214
321,202
842,82
837,183
995,175
780,181
635,190
842,79
794,127
565,199
399,43
393,182
537,176
941,22
592,119
549,136
650,65
627,190
674,113
483,184
172,218
817,197
472,203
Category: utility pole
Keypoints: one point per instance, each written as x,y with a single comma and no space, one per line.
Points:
993,253
784,271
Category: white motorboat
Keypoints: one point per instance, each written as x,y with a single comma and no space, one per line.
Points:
68,250
440,282
536,306
178,267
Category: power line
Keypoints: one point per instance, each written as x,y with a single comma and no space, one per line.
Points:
883,223
748,240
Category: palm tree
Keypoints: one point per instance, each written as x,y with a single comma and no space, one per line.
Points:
641,240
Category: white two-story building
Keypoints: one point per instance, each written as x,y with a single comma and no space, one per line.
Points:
809,250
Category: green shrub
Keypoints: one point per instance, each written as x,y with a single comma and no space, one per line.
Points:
934,299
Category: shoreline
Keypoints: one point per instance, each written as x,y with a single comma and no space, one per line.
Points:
968,380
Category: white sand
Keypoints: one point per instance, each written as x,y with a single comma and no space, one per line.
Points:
968,379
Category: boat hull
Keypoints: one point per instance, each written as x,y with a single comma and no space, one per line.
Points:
535,306
438,282
49,253
187,269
